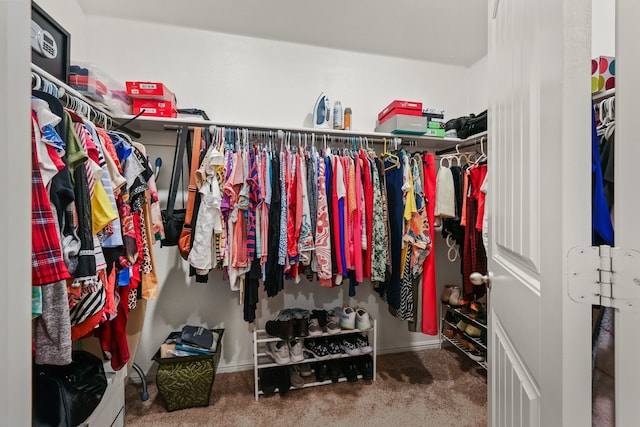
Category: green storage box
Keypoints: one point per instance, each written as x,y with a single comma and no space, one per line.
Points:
186,382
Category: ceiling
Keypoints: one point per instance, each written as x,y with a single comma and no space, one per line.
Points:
444,31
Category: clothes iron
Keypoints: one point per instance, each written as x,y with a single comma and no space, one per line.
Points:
322,113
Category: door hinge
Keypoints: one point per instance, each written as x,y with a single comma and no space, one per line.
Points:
606,276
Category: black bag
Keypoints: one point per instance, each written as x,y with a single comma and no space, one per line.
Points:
67,395
473,125
173,219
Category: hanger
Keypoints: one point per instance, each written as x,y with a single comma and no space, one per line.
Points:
387,155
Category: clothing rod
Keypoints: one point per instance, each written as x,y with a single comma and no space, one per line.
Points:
319,134
459,146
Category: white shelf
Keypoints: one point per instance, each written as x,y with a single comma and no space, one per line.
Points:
262,361
459,346
161,124
315,383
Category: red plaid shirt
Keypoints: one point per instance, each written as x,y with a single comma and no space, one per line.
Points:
47,265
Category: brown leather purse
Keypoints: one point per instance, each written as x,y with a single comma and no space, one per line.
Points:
184,242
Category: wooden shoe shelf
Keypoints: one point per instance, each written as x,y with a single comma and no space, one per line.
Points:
478,342
262,361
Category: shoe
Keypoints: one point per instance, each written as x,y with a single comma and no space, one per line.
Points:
351,370
448,331
278,351
365,367
349,347
321,315
476,355
446,293
283,379
347,317
363,320
321,370
317,348
362,341
473,331
314,328
456,296
462,325
295,378
335,370
267,381
304,369
282,329
333,323
295,351
334,349
300,327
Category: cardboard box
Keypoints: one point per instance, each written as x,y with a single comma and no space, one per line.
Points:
407,105
155,107
603,73
439,133
404,124
395,111
149,90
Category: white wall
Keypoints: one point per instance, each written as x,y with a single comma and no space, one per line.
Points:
603,25
247,80
477,86
71,17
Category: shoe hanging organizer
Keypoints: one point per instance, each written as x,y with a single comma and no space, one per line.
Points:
261,361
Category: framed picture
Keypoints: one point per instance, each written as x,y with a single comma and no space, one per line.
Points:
50,44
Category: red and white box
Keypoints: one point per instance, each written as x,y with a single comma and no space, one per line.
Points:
155,107
409,108
149,90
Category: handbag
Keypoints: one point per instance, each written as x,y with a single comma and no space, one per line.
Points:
473,125
173,219
186,238
67,395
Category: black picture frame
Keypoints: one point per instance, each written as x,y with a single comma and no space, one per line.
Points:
58,66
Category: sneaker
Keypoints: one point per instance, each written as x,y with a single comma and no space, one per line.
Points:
347,317
349,347
278,351
321,315
300,328
321,370
267,381
314,328
363,320
334,349
333,323
365,367
336,368
476,355
295,351
351,370
362,341
317,348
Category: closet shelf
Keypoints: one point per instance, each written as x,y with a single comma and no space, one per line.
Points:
475,340
160,124
314,384
262,336
265,361
466,316
459,346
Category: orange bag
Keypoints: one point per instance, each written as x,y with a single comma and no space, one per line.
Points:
184,241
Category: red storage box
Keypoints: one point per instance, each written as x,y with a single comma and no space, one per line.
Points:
402,111
149,90
155,107
405,105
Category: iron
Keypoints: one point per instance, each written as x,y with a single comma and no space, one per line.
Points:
322,113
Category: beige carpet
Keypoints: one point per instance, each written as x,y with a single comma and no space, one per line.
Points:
427,388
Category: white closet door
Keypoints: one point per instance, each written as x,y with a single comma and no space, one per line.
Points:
627,206
15,175
540,203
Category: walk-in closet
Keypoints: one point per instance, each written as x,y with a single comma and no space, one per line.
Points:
337,265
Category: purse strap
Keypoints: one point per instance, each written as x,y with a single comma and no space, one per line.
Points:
195,163
176,172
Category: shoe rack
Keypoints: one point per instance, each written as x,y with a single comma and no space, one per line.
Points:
262,361
473,347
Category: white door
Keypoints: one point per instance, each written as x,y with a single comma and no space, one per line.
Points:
539,201
627,206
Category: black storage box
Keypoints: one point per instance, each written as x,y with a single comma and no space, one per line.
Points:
186,382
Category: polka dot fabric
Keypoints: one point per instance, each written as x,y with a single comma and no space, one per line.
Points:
603,72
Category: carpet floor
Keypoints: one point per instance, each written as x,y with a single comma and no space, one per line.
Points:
425,388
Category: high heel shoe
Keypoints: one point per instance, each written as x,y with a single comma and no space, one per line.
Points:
456,296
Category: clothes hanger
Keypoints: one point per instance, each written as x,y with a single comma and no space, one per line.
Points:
387,155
